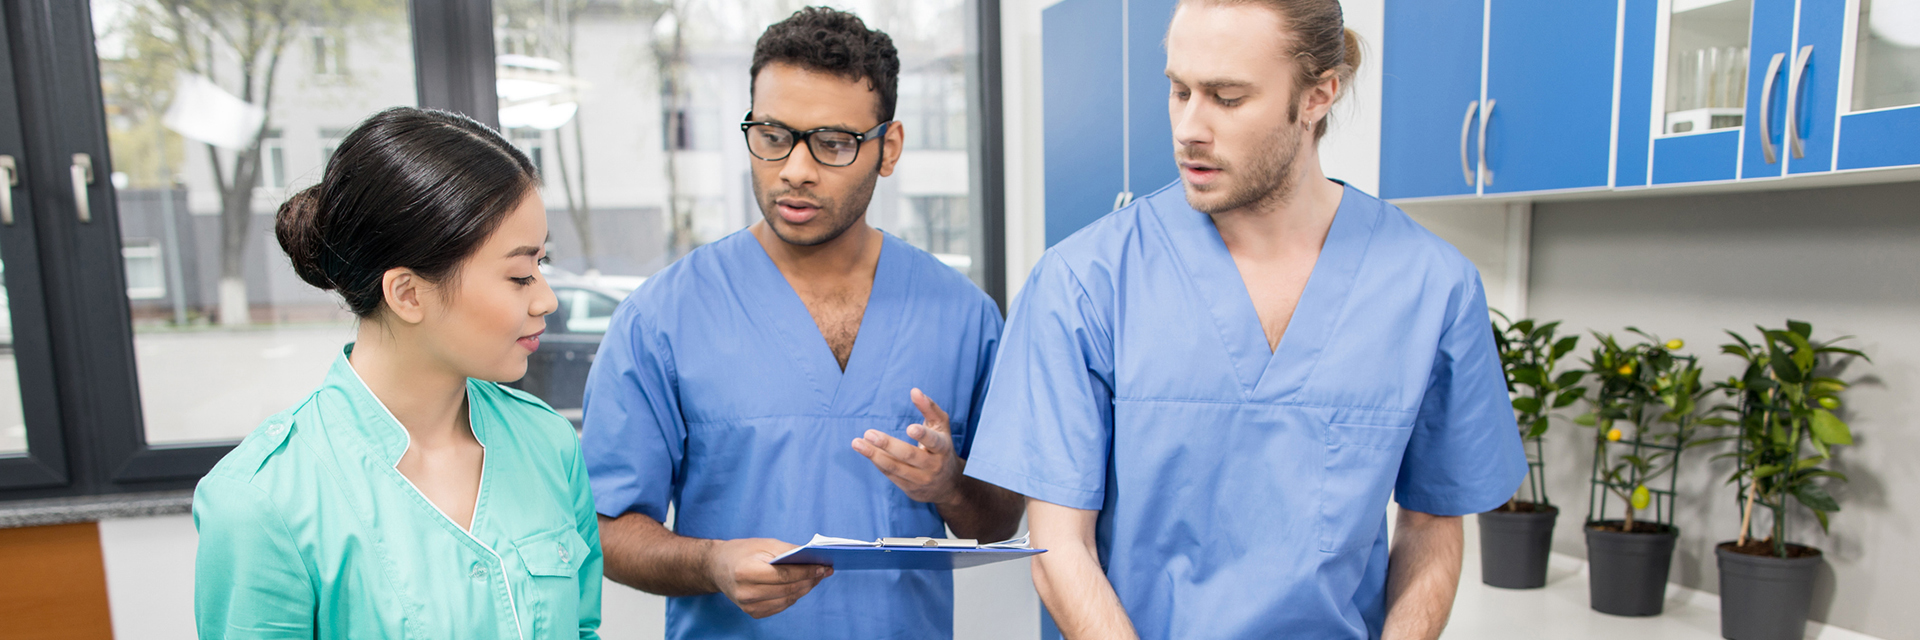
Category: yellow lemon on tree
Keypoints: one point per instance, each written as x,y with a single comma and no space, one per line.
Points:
1613,435
1641,497
1675,344
1626,369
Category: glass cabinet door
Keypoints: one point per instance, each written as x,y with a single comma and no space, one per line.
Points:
1707,57
1886,67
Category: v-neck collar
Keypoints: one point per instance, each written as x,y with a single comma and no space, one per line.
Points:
390,439
1270,373
775,304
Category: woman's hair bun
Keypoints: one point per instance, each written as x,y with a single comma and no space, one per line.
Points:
408,188
297,227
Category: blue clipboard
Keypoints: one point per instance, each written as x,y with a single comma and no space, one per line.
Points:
901,558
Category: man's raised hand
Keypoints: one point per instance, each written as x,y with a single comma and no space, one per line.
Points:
929,471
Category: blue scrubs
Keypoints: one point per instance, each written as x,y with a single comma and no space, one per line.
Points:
714,393
1242,492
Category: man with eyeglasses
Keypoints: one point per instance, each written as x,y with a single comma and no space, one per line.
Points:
789,379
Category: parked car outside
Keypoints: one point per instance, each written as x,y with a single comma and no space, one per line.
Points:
557,373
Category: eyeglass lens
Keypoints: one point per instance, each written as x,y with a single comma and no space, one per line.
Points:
831,148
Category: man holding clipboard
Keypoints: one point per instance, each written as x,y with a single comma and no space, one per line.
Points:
785,381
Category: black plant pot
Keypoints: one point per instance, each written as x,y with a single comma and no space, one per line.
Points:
1765,597
1627,572
1514,547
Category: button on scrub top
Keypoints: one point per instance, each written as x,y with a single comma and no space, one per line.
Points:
1243,491
308,531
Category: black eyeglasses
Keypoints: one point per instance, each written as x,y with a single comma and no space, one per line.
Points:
773,142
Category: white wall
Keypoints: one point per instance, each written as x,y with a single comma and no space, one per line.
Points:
1844,258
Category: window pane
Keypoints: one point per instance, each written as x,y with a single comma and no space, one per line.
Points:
635,110
224,333
1886,68
13,424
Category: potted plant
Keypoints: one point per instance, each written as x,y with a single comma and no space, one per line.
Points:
1786,430
1644,403
1516,538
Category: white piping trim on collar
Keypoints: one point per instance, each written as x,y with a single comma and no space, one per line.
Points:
499,563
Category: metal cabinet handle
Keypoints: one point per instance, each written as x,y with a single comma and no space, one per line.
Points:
82,171
1766,108
1466,126
12,173
1794,144
1486,174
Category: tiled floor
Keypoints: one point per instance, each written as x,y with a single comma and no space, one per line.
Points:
1560,612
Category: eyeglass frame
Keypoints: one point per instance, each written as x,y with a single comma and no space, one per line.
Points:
878,132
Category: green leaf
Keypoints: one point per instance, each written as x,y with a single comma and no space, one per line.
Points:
1523,327
1586,419
1526,405
1539,428
1784,367
1802,329
1823,473
1568,397
1767,470
1803,353
1564,346
1822,517
1527,376
1814,497
1830,429
1568,378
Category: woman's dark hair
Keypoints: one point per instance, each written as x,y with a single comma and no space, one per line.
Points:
414,188
836,42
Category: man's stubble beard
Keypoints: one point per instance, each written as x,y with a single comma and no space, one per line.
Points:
841,218
1267,180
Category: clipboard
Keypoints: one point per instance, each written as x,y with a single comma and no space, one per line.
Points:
909,554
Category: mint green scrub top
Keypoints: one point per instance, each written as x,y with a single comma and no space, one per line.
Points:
308,531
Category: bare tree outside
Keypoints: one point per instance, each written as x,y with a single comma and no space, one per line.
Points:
239,45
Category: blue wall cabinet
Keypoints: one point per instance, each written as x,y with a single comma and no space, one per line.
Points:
1497,96
1879,85
1431,97
1804,71
1107,136
1548,116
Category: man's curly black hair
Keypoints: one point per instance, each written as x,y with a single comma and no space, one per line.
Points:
836,42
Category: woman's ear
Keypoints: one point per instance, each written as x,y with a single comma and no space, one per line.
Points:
402,290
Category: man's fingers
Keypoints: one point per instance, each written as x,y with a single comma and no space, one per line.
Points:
936,418
781,574
898,448
935,441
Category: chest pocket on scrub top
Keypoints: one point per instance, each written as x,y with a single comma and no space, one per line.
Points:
553,560
1362,463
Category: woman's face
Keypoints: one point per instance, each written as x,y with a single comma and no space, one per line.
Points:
489,317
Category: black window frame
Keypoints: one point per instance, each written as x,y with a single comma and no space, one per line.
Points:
66,279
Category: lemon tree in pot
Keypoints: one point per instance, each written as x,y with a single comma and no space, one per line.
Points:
1516,538
1782,415
1644,403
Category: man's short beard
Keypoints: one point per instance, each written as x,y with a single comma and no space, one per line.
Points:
1267,180
841,215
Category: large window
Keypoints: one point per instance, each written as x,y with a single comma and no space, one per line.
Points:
199,139
636,111
165,135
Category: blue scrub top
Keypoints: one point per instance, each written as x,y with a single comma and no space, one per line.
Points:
1243,492
715,393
